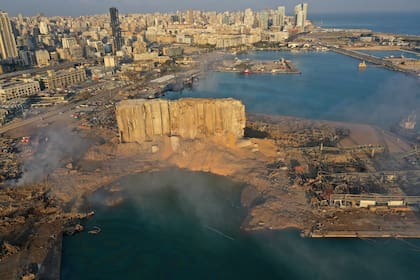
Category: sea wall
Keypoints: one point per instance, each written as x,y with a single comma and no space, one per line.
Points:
140,120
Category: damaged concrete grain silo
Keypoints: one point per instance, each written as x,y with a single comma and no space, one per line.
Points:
190,118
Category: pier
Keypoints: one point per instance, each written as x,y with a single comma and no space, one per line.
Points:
365,234
281,66
370,58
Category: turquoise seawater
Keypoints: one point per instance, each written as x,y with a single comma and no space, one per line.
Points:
176,224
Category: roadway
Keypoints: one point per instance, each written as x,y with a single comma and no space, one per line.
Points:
106,93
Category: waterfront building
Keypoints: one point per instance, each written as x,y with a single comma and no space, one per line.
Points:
8,47
64,78
17,89
275,36
118,41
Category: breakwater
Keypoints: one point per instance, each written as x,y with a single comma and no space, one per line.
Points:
371,59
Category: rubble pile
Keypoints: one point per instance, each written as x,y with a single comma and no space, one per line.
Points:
310,136
9,164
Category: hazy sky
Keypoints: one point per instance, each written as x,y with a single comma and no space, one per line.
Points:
88,7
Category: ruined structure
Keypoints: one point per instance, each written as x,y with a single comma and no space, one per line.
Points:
190,118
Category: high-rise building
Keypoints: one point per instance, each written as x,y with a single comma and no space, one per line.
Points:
301,12
43,28
263,20
8,47
118,41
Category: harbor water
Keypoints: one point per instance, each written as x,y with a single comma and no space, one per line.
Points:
331,87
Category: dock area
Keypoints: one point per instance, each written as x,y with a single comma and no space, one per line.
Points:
280,66
157,87
371,59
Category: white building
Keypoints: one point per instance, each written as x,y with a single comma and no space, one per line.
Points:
301,13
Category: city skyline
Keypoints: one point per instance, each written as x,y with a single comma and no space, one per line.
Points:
90,7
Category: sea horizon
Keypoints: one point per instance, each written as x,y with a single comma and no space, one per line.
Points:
406,23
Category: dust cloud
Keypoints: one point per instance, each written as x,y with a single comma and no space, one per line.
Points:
205,198
52,148
166,196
